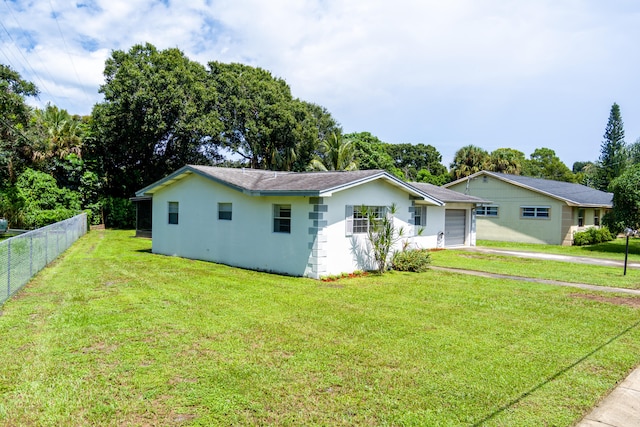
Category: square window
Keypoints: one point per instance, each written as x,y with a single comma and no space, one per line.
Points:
173,212
224,211
282,218
362,215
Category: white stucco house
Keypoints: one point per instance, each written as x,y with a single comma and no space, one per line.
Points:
296,223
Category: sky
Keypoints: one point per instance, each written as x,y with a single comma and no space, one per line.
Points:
492,73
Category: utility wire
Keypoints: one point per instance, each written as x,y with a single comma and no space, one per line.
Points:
55,16
42,85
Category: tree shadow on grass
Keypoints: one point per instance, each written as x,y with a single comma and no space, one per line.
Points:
617,247
556,375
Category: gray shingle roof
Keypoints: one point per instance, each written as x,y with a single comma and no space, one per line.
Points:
573,194
262,182
446,195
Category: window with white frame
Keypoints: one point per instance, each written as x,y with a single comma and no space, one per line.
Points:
173,212
487,210
539,212
282,218
224,211
419,218
580,217
596,217
358,217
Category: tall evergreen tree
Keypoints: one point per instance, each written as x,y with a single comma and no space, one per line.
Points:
613,151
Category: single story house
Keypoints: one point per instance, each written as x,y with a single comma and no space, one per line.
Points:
532,210
459,213
296,223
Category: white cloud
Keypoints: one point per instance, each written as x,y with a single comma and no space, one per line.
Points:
493,73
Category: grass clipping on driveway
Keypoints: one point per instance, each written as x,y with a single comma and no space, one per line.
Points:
114,335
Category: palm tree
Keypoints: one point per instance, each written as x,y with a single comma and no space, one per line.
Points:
469,160
336,154
61,134
506,160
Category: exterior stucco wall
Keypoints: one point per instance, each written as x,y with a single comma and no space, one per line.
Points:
318,244
246,241
428,239
348,253
509,225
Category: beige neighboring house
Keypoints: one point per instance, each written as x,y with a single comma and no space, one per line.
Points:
532,210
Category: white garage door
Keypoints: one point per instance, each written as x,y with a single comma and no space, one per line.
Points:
454,227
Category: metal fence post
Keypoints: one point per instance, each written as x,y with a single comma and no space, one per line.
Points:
30,255
46,247
8,268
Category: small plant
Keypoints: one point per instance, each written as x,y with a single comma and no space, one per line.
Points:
592,236
383,235
414,260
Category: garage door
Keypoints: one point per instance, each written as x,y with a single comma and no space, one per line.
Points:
454,227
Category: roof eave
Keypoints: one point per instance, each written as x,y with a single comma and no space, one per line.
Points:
328,192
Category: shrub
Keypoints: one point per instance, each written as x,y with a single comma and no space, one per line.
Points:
592,236
414,260
119,212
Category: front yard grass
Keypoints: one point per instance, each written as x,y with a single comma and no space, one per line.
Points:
114,335
536,268
609,250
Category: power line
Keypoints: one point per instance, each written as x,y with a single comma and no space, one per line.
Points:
42,63
55,17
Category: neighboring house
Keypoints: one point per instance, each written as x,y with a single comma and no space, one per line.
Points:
532,210
301,224
459,213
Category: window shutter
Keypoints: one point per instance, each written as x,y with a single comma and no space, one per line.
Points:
348,219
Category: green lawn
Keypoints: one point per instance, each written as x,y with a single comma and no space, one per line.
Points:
612,250
114,335
523,267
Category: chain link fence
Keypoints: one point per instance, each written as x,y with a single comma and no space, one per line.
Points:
22,256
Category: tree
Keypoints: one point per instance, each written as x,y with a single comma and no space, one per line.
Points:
506,160
626,200
371,152
544,163
612,159
314,125
411,158
158,115
14,117
336,154
585,173
425,175
382,234
633,152
257,114
58,133
469,160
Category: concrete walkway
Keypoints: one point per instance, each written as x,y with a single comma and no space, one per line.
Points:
621,408
553,257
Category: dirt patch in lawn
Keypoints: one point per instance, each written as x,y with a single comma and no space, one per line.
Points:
628,301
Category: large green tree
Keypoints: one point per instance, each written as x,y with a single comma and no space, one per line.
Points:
626,199
468,160
314,129
157,116
544,163
258,115
14,117
371,152
413,158
613,155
